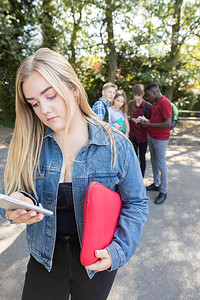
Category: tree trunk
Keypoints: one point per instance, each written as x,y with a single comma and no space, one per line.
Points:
112,54
175,44
77,18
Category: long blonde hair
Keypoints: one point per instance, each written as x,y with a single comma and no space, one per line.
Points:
26,144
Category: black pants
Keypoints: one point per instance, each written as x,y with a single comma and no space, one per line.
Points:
66,277
141,149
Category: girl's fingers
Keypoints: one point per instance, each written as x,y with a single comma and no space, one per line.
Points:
23,216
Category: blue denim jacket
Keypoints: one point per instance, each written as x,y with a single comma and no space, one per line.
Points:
92,163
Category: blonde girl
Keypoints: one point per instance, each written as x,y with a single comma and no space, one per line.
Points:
59,146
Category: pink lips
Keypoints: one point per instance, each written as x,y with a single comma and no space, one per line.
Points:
52,119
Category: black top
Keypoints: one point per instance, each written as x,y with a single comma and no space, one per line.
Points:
66,222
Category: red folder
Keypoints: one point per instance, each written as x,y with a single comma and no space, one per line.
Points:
101,213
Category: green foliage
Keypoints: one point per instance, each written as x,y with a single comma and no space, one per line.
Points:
91,79
46,16
185,100
13,47
157,41
196,103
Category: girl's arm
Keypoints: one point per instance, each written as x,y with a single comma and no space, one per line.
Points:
126,122
132,218
134,211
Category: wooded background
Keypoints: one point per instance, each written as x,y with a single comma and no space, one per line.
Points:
126,42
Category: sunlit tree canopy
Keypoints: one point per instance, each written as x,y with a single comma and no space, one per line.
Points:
125,42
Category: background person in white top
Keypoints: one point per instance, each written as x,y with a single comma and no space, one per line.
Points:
118,115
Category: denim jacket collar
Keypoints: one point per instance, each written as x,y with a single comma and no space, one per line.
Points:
97,135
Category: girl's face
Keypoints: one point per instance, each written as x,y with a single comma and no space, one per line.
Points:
47,104
118,102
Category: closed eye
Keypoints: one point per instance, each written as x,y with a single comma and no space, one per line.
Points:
33,104
52,97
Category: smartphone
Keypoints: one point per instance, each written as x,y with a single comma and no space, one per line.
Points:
8,202
142,118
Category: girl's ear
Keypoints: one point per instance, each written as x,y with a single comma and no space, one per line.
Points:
75,92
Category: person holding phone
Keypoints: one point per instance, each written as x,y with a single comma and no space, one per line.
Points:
139,109
62,146
159,127
118,115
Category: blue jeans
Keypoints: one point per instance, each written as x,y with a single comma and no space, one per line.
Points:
157,150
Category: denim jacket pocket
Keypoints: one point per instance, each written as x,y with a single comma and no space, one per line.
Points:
109,180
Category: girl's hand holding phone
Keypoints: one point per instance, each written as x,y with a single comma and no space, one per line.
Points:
118,126
22,215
